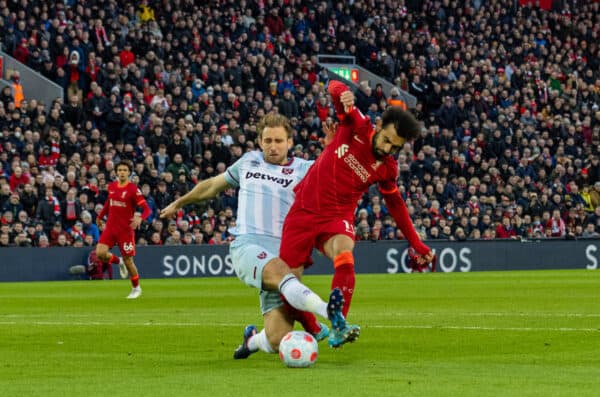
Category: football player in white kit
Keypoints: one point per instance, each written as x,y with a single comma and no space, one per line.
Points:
266,180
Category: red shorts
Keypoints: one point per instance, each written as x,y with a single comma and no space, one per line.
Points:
303,231
125,239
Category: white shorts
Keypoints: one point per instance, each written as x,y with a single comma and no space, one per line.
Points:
249,255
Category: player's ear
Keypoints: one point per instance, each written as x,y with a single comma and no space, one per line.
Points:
290,143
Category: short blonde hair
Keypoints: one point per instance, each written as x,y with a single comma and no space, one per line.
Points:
273,120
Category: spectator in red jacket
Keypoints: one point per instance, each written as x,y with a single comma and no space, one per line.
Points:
126,56
556,225
323,108
57,231
505,229
17,178
21,53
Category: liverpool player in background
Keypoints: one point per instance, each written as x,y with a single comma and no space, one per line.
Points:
322,215
123,199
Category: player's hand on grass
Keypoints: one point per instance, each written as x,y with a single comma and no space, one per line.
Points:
425,259
169,210
420,263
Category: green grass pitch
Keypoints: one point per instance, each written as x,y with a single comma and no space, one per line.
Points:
475,334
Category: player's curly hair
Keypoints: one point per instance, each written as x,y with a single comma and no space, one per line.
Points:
275,120
126,163
406,124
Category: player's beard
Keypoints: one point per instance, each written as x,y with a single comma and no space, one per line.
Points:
276,158
379,155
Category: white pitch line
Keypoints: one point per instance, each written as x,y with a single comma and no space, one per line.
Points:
179,324
477,328
488,314
387,314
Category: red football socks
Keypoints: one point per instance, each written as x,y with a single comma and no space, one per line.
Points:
113,259
343,277
135,280
308,320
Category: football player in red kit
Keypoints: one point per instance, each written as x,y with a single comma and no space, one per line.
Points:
322,215
123,199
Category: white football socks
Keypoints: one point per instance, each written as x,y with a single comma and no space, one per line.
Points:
260,342
301,297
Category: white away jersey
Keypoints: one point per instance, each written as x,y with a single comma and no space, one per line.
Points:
266,192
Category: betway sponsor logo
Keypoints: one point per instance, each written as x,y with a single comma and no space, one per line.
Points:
357,167
266,177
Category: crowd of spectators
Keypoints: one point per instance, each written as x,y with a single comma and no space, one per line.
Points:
509,96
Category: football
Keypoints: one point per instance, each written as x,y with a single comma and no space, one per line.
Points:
298,349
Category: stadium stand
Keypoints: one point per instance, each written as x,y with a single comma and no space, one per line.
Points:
508,92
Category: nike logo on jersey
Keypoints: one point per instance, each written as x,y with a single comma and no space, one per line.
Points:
357,139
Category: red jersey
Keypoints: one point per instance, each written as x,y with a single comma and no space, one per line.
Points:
345,170
121,204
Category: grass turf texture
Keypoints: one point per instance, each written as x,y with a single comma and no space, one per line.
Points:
497,333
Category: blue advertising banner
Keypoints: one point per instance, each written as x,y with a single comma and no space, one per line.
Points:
35,264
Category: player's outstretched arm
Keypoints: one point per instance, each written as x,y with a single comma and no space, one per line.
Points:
340,91
343,103
399,212
203,191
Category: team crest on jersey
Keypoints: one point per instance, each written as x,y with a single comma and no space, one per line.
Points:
262,255
255,163
287,171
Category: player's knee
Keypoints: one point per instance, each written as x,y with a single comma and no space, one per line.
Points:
273,272
101,252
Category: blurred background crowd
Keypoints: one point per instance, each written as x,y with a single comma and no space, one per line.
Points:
508,92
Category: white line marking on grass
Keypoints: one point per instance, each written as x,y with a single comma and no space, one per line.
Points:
489,314
387,314
477,328
180,324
